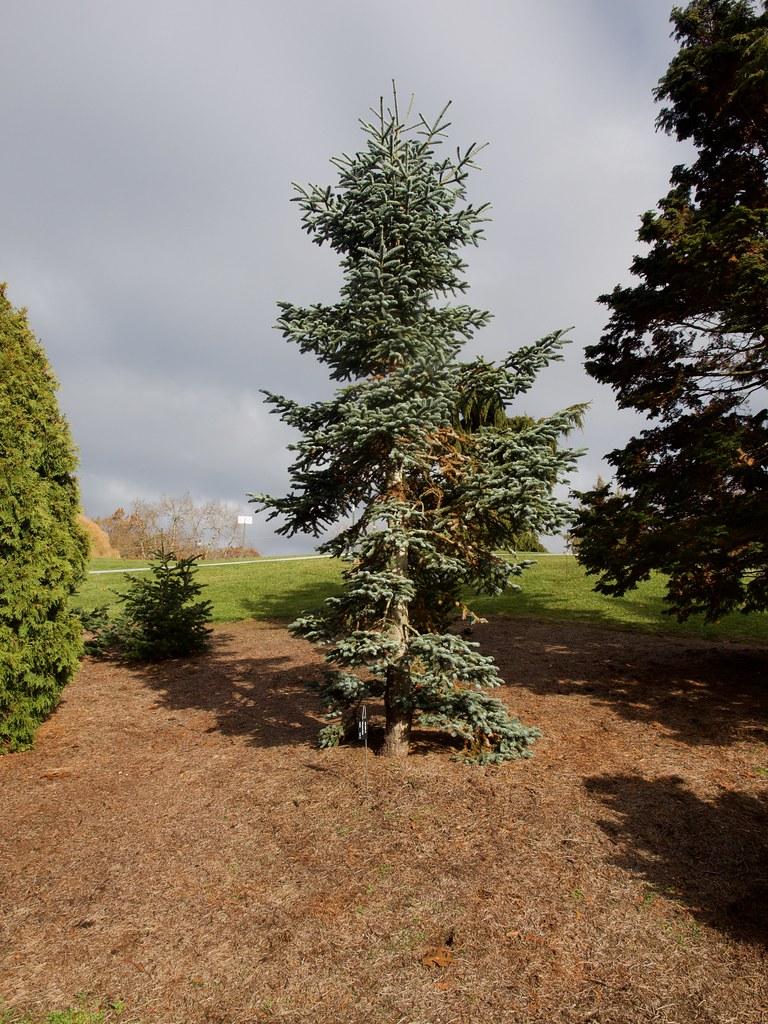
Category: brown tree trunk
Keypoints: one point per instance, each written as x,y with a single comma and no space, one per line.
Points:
397,704
397,697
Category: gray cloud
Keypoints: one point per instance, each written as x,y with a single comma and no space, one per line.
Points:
148,151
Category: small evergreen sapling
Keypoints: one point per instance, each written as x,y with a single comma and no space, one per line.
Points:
161,617
434,499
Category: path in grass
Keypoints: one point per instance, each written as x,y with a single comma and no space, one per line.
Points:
556,587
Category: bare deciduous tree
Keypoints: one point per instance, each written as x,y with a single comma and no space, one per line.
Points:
178,524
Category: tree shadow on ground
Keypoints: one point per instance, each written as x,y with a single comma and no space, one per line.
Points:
264,699
701,694
710,856
639,610
286,605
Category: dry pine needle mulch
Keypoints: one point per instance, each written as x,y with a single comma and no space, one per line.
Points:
175,840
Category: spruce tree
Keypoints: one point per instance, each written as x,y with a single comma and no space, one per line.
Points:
163,616
476,409
42,547
432,500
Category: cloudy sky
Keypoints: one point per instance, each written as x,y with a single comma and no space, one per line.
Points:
147,156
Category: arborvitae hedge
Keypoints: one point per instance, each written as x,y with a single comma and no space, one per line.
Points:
42,548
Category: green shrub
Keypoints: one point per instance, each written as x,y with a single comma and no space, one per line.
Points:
42,548
99,628
161,617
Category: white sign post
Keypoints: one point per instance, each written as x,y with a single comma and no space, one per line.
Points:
362,734
243,521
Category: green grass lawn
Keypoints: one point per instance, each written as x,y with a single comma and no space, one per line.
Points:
262,590
555,588
110,1014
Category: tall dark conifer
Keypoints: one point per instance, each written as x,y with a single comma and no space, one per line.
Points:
687,343
433,500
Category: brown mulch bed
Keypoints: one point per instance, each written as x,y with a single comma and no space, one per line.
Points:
176,840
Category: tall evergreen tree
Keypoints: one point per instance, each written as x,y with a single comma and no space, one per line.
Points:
688,343
434,500
42,547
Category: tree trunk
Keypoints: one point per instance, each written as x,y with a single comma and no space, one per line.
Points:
397,703
397,697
